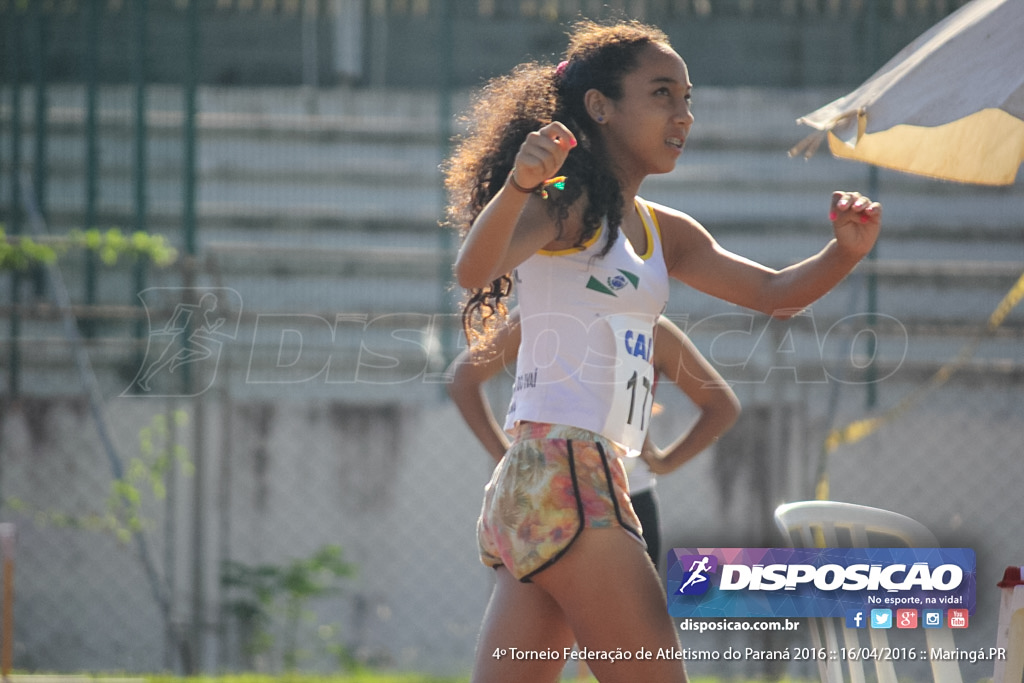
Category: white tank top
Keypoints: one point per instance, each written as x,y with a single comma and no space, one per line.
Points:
587,335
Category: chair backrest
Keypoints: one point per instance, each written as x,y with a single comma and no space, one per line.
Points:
830,524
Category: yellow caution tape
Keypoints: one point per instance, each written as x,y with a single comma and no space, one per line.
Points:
861,429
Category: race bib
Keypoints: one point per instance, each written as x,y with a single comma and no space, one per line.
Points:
633,396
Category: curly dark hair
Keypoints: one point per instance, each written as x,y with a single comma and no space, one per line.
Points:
510,107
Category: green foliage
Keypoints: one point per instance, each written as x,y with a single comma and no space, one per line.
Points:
21,253
264,591
111,244
146,473
126,498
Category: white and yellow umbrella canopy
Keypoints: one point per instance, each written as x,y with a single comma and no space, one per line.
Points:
950,105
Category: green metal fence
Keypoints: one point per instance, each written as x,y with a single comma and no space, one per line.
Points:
446,45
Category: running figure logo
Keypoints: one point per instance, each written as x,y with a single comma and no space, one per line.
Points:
696,580
193,334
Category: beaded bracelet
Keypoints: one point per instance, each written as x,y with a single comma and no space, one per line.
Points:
520,188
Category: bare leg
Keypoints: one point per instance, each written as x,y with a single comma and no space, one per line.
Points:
613,600
522,616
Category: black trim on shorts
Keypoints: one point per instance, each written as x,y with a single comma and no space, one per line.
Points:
579,507
611,494
579,513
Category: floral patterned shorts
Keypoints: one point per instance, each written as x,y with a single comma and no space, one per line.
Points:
553,482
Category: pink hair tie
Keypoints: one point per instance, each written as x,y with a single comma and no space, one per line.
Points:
560,69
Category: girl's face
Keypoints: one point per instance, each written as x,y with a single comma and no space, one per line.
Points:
646,128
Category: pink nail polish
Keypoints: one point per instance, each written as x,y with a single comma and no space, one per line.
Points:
863,218
832,216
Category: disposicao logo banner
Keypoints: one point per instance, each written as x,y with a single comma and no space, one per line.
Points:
817,582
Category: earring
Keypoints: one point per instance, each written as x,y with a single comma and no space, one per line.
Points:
600,119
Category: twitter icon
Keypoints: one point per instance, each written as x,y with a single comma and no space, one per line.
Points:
881,618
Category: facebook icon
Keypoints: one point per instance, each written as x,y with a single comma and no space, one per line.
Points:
855,618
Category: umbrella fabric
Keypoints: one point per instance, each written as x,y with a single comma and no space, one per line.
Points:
950,105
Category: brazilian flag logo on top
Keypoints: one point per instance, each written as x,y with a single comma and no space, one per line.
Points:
614,282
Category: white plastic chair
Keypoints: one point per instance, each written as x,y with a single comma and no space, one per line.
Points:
1010,631
830,524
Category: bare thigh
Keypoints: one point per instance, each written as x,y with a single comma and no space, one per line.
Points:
613,601
521,616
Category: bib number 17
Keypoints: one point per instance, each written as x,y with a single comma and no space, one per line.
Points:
638,386
631,402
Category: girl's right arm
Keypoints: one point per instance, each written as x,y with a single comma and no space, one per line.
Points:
514,225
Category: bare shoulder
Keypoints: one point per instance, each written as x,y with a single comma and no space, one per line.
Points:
682,235
676,224
694,257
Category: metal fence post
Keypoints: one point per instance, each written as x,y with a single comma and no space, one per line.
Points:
92,172
191,77
14,226
140,12
871,49
38,54
445,51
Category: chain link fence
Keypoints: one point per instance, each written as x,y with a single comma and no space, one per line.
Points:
247,460
396,488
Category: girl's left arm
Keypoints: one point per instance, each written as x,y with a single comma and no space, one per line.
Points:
694,257
470,370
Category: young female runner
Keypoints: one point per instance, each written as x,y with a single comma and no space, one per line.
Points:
674,356
591,262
